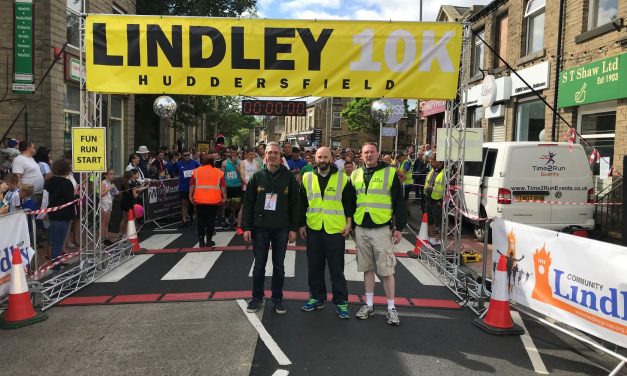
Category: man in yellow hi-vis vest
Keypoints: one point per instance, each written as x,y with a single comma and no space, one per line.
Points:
327,204
380,216
433,194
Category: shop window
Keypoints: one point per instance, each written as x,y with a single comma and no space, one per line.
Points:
598,129
529,121
477,53
337,120
601,12
534,21
71,112
501,42
74,9
474,117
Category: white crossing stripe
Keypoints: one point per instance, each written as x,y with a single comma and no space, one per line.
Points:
223,238
289,264
404,246
530,347
159,241
420,272
195,265
350,269
350,244
125,269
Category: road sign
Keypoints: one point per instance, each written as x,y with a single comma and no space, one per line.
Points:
89,149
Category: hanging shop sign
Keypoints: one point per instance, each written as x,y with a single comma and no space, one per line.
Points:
255,57
537,76
429,108
89,149
599,81
23,47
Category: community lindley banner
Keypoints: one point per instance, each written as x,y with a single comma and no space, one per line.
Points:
254,57
578,281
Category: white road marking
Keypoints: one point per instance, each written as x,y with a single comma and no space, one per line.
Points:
422,274
159,241
281,372
350,269
350,244
267,339
195,265
223,238
404,246
289,264
532,351
125,269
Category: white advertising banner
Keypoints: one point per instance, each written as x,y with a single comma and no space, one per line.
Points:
575,280
14,234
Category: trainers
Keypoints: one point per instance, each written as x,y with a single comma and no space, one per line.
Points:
280,308
392,317
342,311
312,304
365,312
253,305
239,231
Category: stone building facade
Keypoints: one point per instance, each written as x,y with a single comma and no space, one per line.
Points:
526,34
53,109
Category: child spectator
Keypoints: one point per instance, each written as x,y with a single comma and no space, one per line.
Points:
107,191
131,188
11,200
28,203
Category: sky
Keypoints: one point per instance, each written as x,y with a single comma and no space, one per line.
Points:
371,10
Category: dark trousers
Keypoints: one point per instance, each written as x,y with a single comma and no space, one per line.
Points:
206,217
261,245
326,248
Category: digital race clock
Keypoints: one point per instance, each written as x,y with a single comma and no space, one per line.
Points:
274,108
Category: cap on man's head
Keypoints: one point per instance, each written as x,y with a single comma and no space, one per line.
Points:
12,143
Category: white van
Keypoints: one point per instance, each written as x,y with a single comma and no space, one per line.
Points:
530,183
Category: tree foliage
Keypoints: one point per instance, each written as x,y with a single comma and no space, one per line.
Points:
202,8
357,115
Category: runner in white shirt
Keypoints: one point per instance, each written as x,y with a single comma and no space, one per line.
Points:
247,168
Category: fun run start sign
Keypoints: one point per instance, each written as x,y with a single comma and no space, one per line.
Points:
222,56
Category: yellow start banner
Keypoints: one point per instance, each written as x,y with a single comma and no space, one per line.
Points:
254,57
89,149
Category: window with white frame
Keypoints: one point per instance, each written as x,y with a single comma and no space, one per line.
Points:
71,112
597,126
474,115
310,121
501,42
116,128
477,53
337,120
74,9
534,23
601,12
529,120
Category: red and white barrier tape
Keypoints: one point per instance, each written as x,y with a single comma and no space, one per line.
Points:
54,262
50,210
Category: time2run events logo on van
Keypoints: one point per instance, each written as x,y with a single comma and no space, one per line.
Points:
549,168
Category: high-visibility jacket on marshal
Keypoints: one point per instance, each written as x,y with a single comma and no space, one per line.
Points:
376,199
207,189
325,209
437,191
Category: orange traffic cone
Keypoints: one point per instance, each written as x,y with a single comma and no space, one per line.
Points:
423,237
498,319
20,311
131,232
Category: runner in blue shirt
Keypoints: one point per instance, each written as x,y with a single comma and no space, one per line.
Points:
183,168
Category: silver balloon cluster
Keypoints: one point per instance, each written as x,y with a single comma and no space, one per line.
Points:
381,110
164,107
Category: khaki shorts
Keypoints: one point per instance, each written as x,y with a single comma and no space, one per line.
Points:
375,250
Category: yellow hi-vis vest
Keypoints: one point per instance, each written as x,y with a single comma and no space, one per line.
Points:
327,210
409,179
438,186
377,200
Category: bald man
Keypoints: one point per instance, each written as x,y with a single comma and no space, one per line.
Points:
327,203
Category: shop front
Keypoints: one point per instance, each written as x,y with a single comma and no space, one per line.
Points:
596,92
433,113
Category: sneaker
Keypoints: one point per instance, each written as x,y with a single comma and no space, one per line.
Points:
280,308
365,312
342,311
253,305
392,317
312,304
239,231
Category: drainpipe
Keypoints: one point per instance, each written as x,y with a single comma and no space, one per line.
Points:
558,63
